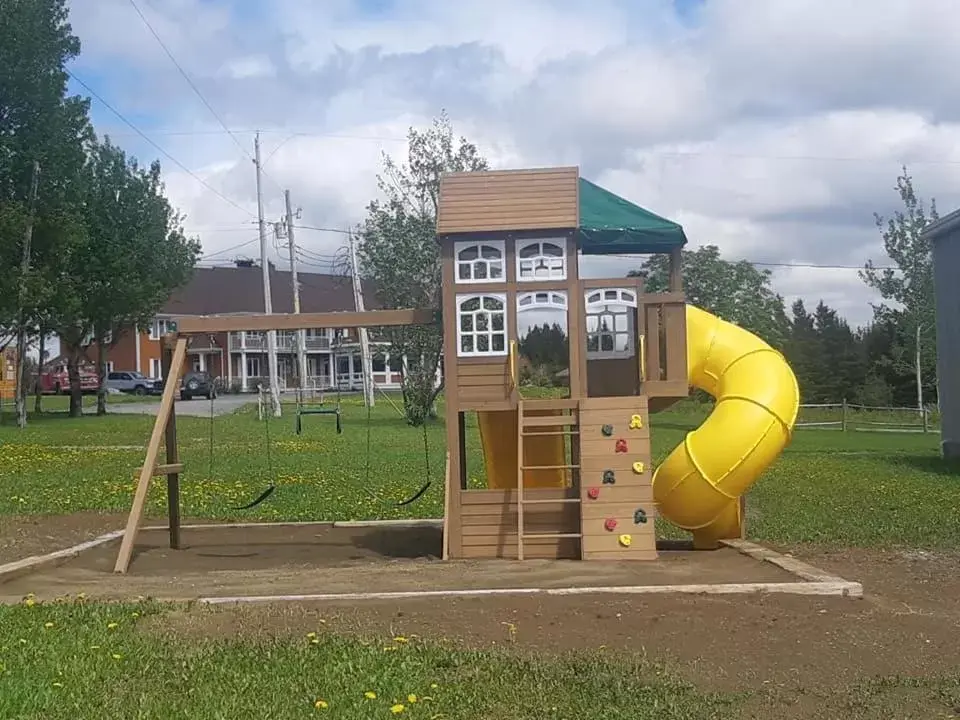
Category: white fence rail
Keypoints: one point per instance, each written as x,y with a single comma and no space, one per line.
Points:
846,416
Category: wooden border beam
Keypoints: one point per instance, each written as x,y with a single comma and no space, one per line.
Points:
150,462
255,322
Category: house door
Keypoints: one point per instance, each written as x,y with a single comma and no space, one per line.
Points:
612,321
344,370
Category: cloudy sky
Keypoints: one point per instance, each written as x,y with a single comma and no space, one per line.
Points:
772,128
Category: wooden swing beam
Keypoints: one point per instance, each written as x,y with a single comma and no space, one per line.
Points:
174,353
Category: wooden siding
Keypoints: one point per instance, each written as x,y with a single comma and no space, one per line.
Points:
504,200
489,524
946,260
481,381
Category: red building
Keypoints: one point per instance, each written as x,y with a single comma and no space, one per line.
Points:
240,359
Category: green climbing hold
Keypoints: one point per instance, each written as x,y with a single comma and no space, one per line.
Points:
607,430
609,478
640,516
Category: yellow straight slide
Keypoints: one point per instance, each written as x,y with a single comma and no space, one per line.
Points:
498,435
699,485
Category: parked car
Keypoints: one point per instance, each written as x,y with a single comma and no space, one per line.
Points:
196,383
133,382
56,380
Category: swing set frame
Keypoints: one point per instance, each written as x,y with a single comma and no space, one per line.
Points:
174,351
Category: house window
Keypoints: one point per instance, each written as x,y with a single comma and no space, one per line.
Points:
541,260
253,366
481,325
611,323
542,301
155,369
159,328
109,366
479,262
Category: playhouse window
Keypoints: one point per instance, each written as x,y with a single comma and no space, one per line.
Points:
481,325
542,300
541,260
610,323
479,262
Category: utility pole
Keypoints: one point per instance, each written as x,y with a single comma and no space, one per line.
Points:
365,358
267,299
21,383
301,333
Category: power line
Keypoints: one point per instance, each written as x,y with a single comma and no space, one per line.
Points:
186,77
230,249
655,153
159,149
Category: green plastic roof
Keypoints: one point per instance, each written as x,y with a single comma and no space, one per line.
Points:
611,225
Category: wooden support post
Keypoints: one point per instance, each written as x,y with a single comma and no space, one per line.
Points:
843,416
676,270
153,449
171,375
448,491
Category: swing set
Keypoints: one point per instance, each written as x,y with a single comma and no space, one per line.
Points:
165,426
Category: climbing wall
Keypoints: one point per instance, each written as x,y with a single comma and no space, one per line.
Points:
617,511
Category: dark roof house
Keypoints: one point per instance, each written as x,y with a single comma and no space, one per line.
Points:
236,290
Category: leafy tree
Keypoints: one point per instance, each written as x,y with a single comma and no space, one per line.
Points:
38,122
134,257
546,345
910,286
735,291
398,252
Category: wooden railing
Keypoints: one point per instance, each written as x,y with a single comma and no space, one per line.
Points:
663,344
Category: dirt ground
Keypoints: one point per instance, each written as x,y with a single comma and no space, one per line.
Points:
798,657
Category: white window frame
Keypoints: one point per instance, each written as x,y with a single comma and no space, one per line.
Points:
156,369
490,332
109,366
159,327
554,266
462,245
542,300
253,359
612,303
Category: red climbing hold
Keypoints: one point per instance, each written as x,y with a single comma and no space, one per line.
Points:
621,445
593,493
610,524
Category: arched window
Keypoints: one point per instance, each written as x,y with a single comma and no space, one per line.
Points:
542,300
541,260
611,323
479,262
481,325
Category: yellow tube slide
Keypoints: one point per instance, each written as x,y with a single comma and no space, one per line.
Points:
498,435
699,485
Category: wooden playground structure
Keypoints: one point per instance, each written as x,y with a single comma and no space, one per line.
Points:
568,477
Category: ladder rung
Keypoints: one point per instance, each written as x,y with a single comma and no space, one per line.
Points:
554,432
552,535
548,420
557,501
549,467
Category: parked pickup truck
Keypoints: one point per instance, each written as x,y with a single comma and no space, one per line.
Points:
130,381
56,380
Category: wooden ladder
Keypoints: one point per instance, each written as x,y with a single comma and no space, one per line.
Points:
548,425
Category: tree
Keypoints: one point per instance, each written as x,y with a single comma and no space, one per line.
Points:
38,123
910,286
134,256
399,256
735,291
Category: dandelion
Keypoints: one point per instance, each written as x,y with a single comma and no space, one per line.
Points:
397,708
321,704
400,639
390,648
370,695
48,625
117,656
433,686
411,698
112,626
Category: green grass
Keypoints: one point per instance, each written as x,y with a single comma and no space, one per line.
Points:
828,487
76,661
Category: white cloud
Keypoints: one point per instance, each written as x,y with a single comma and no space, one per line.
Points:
772,129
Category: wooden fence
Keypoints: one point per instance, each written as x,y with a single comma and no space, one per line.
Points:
846,416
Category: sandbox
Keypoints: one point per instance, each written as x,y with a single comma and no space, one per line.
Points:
223,563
